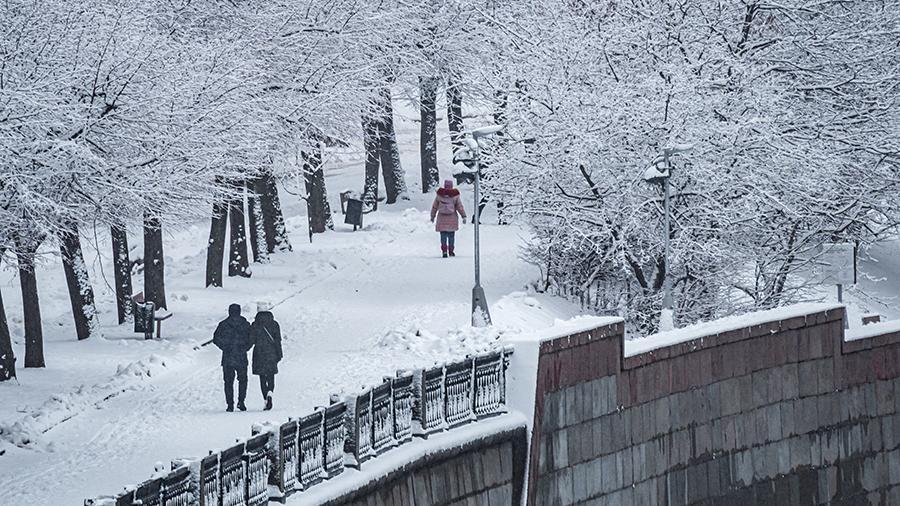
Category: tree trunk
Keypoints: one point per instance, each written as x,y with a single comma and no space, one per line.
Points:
282,243
238,259
428,137
317,199
154,265
394,177
81,294
373,154
7,356
34,336
454,114
257,232
215,250
122,272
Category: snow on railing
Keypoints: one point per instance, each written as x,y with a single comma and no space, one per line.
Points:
281,459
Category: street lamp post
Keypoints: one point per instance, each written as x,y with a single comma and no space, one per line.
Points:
661,171
470,153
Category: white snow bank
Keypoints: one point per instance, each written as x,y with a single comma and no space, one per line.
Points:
711,328
872,330
397,458
27,431
467,340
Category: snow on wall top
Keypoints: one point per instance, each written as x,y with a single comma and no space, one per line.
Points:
563,328
872,330
700,330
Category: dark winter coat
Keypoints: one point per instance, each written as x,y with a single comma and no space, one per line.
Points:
445,210
266,335
232,336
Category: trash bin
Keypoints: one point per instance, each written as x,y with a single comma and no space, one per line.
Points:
354,214
143,319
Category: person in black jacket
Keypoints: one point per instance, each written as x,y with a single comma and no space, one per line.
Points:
266,336
232,336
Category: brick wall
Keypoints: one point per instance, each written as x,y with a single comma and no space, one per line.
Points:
488,471
784,412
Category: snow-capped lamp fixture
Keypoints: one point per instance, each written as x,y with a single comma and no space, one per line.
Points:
660,171
470,156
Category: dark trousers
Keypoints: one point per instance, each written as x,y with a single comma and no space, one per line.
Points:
448,239
266,384
229,374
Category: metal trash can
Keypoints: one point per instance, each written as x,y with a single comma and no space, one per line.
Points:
354,214
143,319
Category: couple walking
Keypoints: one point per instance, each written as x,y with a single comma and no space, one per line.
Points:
235,336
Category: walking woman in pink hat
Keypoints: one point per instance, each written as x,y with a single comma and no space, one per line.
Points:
445,213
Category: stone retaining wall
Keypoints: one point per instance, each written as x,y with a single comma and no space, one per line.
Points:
488,471
783,412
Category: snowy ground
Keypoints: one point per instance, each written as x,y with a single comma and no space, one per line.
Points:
353,306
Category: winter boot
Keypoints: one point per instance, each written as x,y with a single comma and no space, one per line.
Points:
444,250
230,408
268,402
242,406
451,252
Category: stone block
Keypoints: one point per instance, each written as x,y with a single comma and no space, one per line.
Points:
809,378
826,376
745,390
564,486
579,482
800,452
790,381
884,397
608,466
560,449
742,467
603,435
730,394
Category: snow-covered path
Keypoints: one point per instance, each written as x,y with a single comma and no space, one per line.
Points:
354,306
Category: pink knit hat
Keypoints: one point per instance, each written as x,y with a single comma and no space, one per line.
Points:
448,184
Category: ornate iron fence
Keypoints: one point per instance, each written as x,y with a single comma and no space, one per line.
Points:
335,430
404,399
233,477
176,488
382,417
312,449
209,481
459,393
297,455
429,409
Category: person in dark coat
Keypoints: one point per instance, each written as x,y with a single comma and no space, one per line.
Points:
232,336
266,335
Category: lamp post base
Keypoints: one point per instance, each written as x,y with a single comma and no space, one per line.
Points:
481,316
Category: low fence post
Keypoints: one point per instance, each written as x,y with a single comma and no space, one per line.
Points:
311,449
404,398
